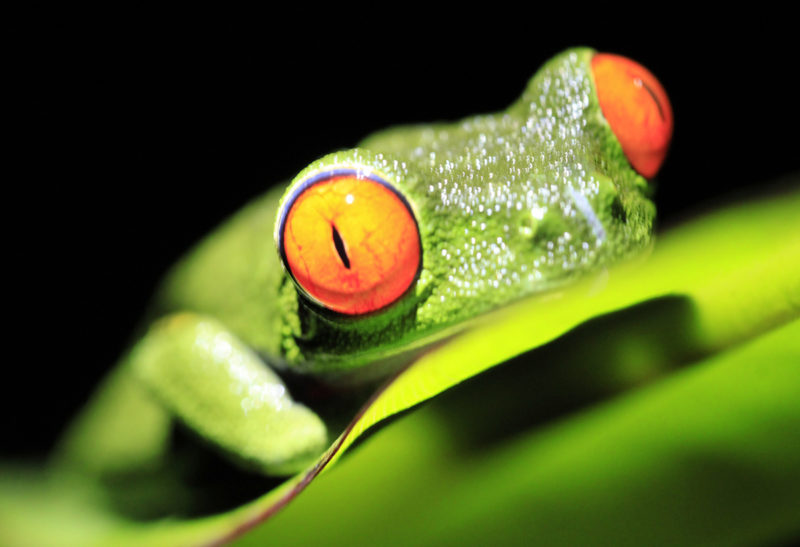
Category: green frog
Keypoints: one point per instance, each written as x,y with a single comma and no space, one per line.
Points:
374,253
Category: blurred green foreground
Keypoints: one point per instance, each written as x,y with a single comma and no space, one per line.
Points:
659,406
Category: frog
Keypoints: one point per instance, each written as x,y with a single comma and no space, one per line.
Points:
372,254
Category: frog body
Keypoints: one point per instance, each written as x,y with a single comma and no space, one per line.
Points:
505,205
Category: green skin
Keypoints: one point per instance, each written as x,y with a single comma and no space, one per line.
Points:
507,205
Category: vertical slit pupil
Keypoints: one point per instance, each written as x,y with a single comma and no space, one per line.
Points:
655,99
339,244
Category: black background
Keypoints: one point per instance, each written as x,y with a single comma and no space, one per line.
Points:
135,135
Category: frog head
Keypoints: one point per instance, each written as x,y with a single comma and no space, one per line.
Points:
421,228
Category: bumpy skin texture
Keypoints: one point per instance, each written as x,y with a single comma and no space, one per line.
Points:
508,205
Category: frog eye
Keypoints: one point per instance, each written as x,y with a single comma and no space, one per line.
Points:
350,241
637,109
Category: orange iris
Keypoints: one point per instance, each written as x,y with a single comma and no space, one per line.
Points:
351,243
637,109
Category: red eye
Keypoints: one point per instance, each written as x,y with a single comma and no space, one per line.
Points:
637,109
351,243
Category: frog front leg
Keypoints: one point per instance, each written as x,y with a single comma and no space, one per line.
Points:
192,368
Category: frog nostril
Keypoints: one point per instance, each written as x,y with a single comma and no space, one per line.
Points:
618,210
527,227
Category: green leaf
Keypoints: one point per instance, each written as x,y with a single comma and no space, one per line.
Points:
707,456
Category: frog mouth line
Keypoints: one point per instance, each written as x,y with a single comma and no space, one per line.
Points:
586,210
